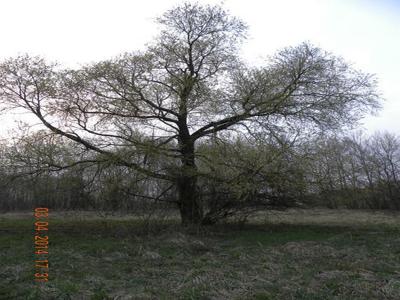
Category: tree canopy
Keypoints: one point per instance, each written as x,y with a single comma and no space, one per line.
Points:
189,85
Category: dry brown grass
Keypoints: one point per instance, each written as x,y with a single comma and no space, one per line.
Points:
297,254
330,217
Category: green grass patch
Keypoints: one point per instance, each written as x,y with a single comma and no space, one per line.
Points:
128,259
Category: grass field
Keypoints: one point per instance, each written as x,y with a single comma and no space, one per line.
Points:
298,254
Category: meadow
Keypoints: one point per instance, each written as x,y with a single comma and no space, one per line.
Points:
295,254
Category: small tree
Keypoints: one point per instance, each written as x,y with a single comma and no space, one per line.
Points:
188,85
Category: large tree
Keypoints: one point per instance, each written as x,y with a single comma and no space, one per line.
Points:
188,85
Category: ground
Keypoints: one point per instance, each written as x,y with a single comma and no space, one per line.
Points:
297,254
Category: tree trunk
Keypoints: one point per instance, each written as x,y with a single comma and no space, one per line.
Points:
190,209
188,196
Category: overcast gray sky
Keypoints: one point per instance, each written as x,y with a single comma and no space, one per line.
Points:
73,32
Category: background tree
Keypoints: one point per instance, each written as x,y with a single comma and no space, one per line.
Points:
188,85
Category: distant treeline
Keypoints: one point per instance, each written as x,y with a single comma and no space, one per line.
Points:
335,171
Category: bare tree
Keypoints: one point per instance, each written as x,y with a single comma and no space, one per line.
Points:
188,85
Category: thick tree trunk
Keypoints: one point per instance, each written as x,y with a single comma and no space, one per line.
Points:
190,209
188,197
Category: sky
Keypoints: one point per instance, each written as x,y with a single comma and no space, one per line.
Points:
366,33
